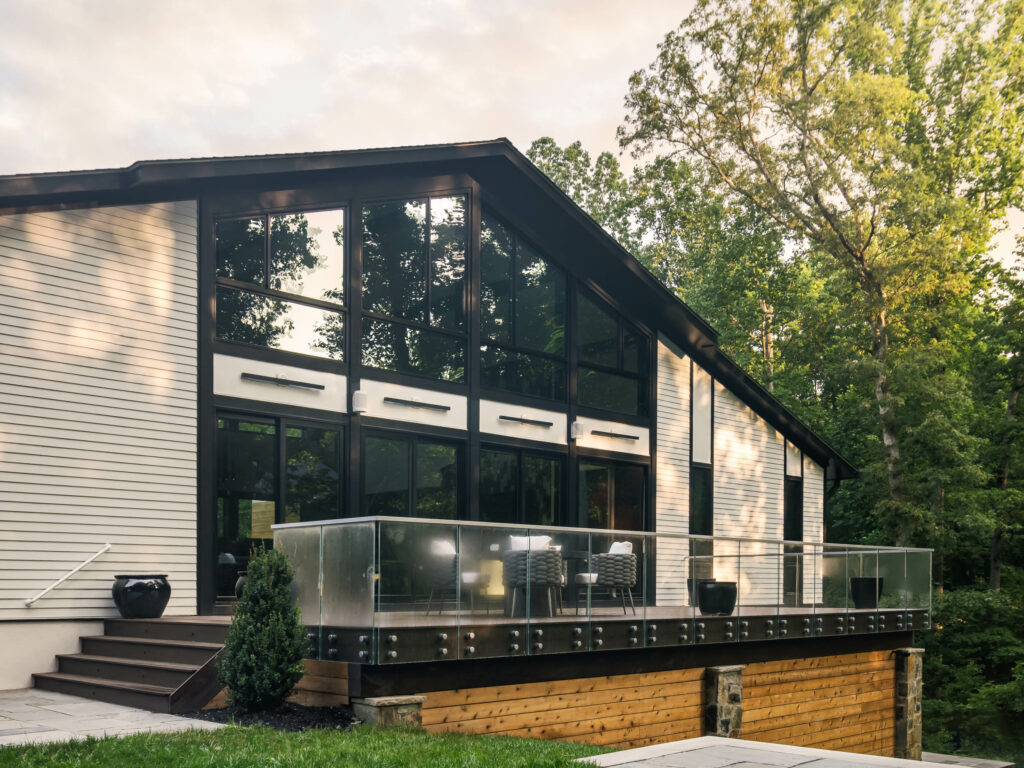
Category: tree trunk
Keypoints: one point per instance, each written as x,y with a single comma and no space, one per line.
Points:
886,414
995,559
768,343
995,553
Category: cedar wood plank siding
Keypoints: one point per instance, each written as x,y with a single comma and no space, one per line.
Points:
98,335
619,711
844,702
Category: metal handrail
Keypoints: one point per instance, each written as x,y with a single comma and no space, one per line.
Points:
564,529
66,576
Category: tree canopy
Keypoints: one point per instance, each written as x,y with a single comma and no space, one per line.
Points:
822,182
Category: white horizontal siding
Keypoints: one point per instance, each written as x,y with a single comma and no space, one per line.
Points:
748,493
672,473
98,376
814,526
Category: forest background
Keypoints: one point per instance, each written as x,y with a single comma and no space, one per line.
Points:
823,183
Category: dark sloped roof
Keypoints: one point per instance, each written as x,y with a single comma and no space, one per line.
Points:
500,167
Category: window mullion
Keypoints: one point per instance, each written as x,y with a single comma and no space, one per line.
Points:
429,264
266,252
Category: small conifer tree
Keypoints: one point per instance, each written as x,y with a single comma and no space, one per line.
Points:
262,658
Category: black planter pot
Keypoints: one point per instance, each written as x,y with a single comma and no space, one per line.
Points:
240,584
865,591
141,596
716,598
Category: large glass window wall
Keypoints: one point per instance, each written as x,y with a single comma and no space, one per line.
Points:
522,315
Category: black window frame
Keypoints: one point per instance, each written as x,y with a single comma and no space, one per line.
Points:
642,378
463,336
414,438
511,346
259,351
521,452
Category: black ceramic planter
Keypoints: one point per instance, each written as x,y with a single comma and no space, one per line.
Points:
865,591
716,598
141,596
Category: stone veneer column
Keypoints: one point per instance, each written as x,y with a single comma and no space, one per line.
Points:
390,710
723,701
908,703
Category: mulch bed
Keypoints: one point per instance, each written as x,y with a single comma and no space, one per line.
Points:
290,717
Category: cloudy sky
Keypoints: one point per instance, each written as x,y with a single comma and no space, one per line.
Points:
102,83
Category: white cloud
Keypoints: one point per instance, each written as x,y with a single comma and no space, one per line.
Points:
101,84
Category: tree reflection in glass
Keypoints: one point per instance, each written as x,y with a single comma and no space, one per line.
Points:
313,474
303,253
400,282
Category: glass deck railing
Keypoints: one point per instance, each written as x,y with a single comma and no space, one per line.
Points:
382,589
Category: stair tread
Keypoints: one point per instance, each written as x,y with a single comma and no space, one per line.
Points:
157,641
147,663
102,682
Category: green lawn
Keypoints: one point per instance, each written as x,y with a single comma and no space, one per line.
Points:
235,747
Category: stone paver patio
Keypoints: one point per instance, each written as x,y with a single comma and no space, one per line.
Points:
716,752
31,716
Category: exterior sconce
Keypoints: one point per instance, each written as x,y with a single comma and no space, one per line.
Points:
360,403
575,430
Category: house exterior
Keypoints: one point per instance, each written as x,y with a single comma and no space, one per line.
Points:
198,356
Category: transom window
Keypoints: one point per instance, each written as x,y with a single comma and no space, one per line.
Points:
522,315
280,281
613,361
414,287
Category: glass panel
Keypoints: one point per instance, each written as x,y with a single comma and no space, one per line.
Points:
635,355
760,565
386,465
348,575
612,392
598,334
522,372
701,523
241,252
542,490
499,471
448,261
418,574
437,480
307,254
618,579
540,303
495,280
862,571
919,580
834,579
313,474
302,546
395,259
395,347
246,494
251,318
892,574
